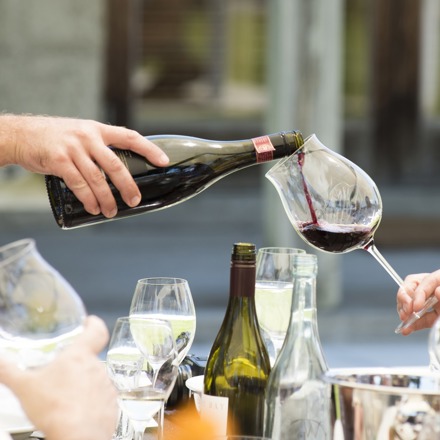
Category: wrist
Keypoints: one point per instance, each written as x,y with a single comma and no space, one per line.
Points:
9,132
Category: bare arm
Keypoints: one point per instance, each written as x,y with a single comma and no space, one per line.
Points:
75,150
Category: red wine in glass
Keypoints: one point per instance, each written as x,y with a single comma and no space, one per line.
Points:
332,203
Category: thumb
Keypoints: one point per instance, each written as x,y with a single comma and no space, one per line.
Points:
94,335
10,374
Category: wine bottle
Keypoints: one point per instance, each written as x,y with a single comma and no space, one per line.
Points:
238,365
195,164
298,401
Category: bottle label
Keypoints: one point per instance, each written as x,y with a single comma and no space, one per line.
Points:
264,148
215,410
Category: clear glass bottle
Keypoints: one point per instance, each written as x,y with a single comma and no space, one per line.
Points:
238,365
298,403
195,164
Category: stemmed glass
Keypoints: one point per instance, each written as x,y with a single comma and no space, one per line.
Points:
273,295
155,340
170,299
40,312
142,391
333,204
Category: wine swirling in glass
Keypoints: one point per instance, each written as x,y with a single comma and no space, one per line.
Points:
169,299
40,312
332,203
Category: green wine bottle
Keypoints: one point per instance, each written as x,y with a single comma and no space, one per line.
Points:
238,365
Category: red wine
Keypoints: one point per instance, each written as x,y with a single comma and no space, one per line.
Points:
195,164
336,238
301,158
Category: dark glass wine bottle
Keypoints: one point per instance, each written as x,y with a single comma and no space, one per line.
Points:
195,164
238,365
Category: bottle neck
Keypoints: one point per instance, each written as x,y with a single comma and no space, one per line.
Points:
303,310
242,279
302,338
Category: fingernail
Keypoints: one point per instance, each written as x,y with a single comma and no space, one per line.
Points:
404,308
135,201
112,213
164,159
95,210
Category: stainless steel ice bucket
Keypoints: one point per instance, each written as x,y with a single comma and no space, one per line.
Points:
386,403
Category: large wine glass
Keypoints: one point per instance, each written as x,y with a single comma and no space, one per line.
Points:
142,391
40,312
170,299
332,203
273,295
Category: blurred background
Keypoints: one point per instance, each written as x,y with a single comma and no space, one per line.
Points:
361,74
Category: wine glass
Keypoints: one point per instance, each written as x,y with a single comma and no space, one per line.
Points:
142,391
170,299
40,312
155,340
273,295
332,203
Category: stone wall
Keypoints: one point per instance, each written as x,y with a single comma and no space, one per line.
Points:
51,57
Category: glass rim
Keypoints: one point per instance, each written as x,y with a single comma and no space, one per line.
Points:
282,250
164,281
26,245
133,317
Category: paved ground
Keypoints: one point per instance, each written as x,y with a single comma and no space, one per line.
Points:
193,241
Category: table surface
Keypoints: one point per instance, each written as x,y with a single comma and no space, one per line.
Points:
179,424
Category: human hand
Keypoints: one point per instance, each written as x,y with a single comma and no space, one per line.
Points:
71,398
76,150
411,297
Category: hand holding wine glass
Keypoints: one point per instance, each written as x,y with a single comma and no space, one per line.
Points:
332,203
169,299
417,297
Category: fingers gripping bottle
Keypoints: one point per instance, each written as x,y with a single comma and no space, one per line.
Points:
195,164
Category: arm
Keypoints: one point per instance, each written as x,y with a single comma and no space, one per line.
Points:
411,298
71,398
75,150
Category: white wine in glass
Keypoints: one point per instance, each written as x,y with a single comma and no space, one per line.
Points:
169,299
141,395
273,295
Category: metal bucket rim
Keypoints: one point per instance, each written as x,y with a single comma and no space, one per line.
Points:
338,376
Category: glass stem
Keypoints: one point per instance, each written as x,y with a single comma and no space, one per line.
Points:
160,421
372,249
139,430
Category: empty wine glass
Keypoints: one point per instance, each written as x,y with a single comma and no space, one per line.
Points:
40,312
169,299
273,295
155,340
142,391
332,203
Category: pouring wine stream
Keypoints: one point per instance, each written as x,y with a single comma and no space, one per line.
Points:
333,205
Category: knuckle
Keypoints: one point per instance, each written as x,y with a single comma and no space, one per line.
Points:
96,177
